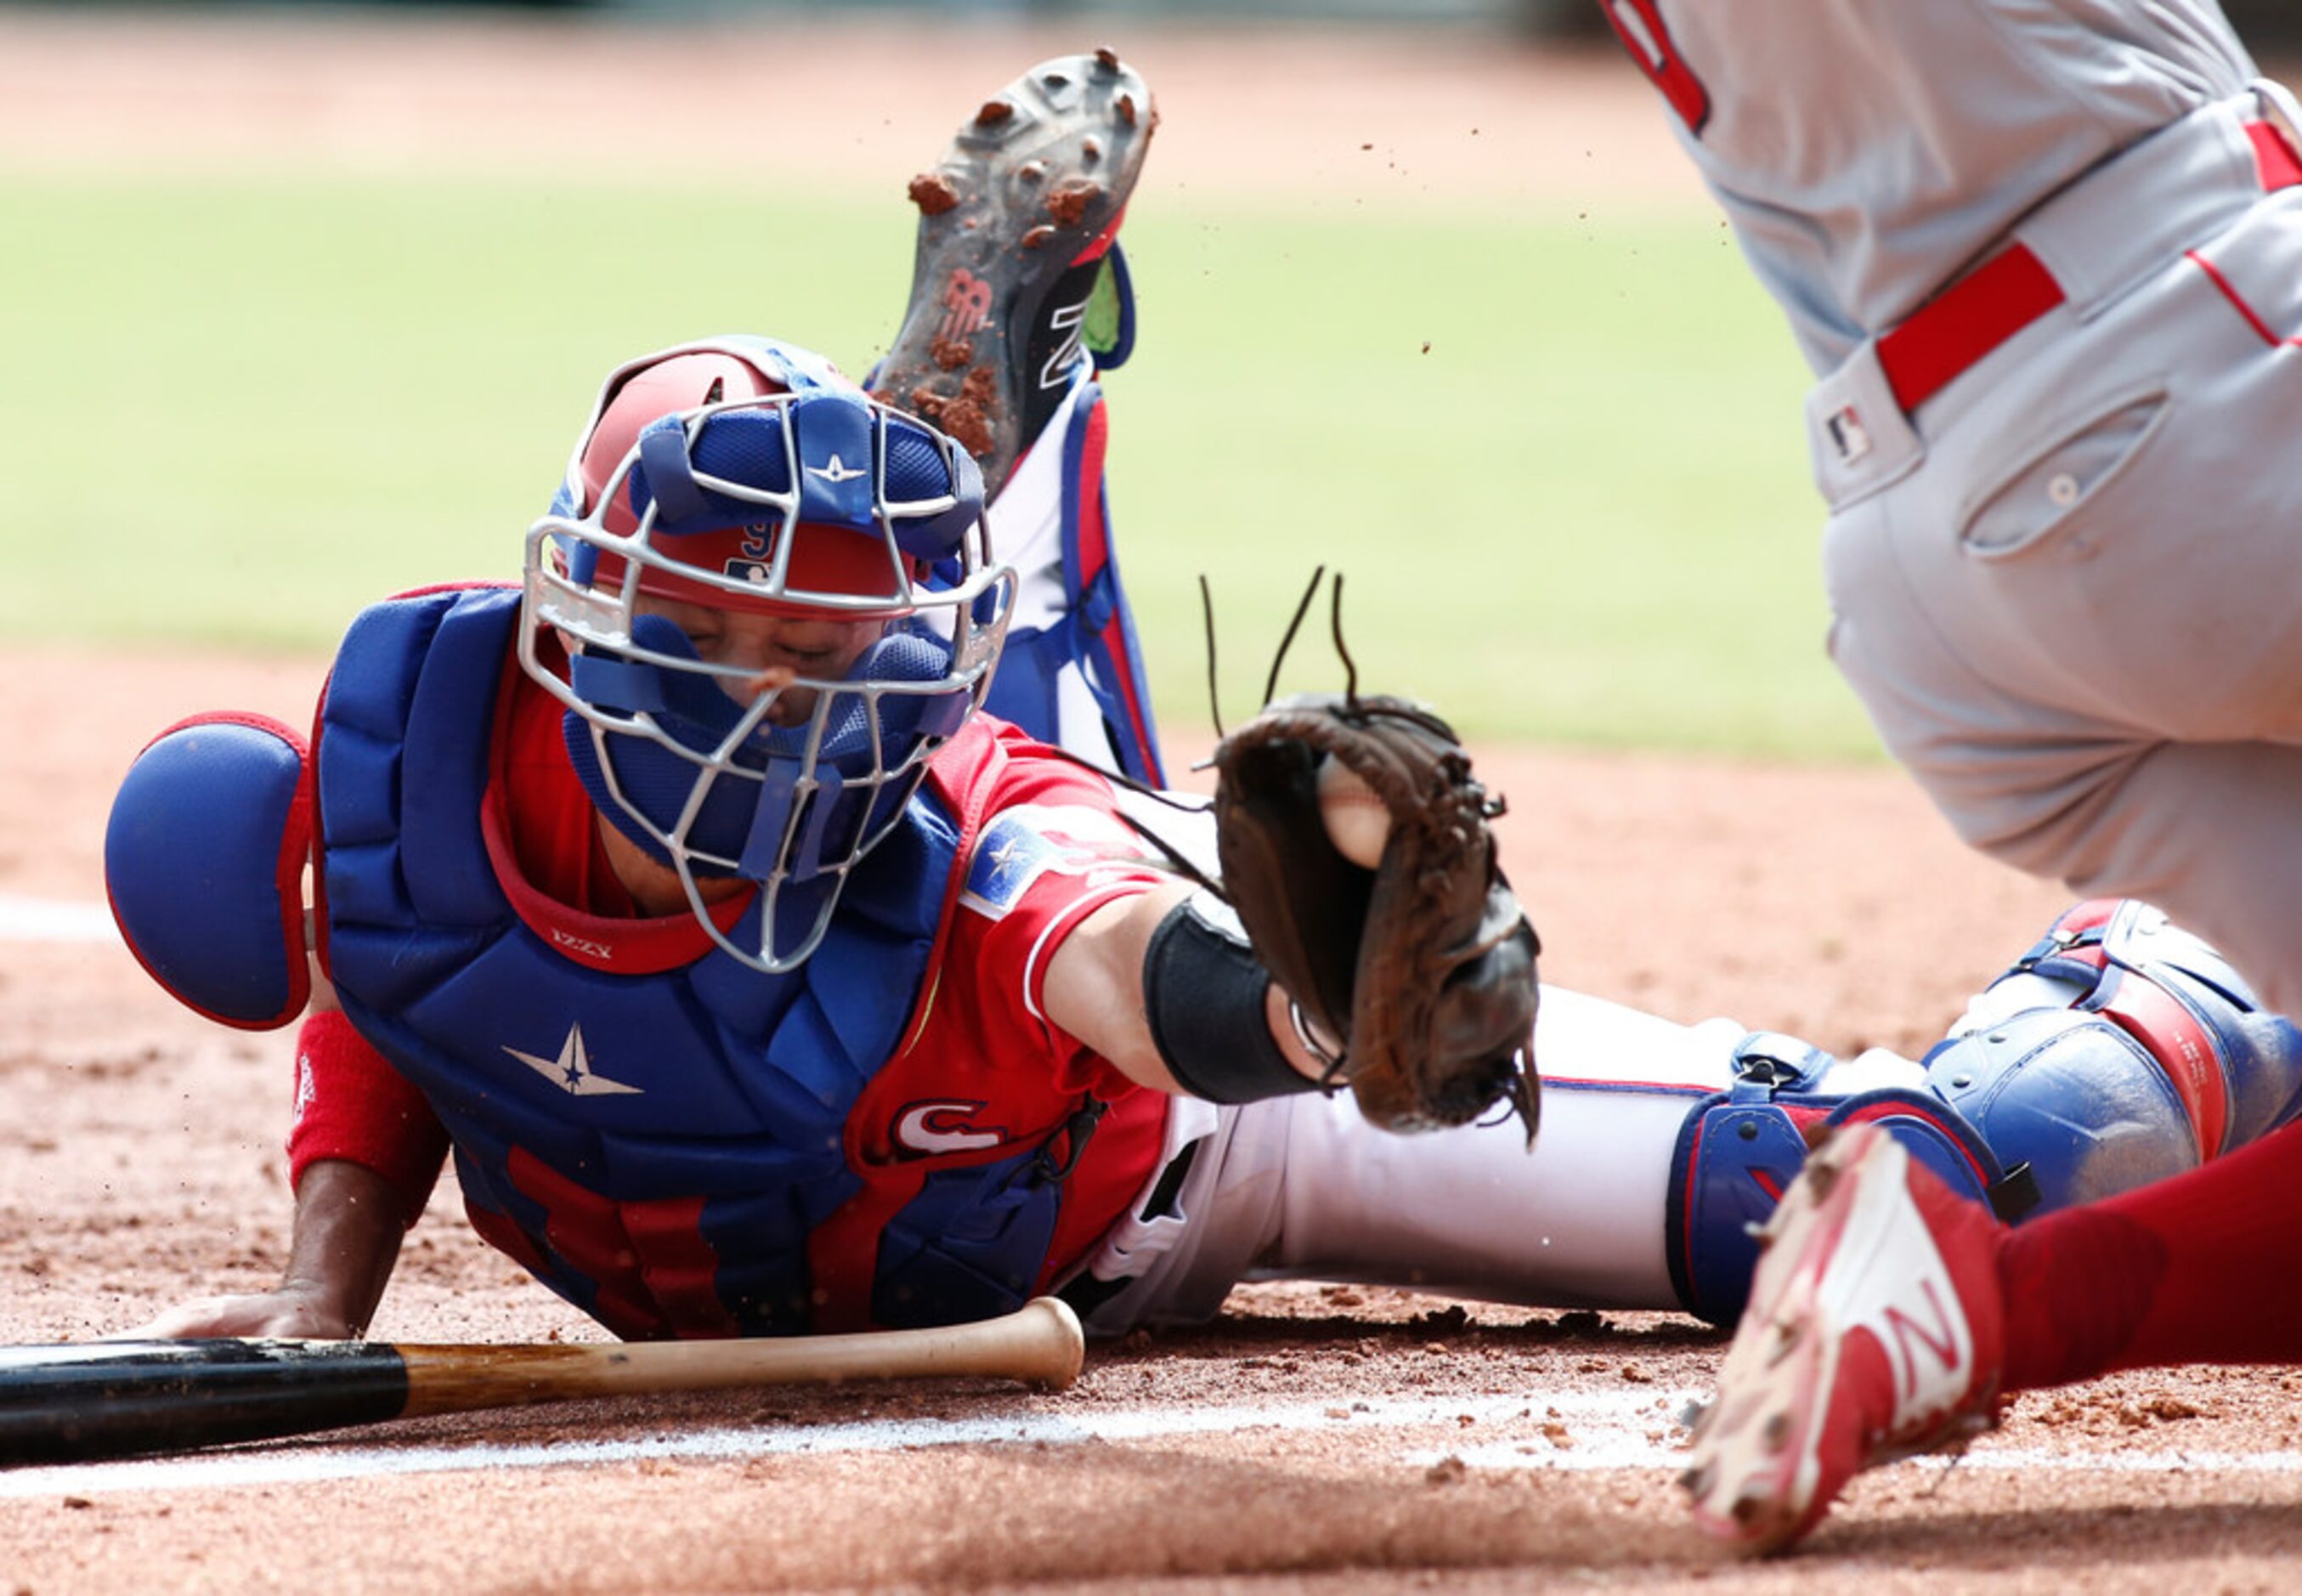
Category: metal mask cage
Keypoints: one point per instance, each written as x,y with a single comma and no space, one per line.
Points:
824,792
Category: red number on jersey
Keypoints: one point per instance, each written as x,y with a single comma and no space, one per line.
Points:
1639,24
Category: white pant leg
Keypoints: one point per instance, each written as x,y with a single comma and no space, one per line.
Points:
1304,1188
1577,1220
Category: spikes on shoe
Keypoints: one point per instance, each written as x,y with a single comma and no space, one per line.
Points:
1017,239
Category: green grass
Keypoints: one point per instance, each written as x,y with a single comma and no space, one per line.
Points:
242,409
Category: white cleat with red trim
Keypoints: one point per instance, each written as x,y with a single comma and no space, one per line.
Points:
1874,1331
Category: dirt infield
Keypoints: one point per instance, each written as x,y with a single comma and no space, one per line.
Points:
1344,1438
1322,1438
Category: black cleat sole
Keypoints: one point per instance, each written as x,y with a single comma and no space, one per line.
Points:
1028,184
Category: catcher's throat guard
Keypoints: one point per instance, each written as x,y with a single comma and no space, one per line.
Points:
203,860
1425,967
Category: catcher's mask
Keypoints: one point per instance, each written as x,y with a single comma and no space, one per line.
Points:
767,485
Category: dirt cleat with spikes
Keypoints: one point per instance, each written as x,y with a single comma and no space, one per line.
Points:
1874,1331
1017,262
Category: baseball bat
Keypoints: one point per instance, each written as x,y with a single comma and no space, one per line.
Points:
81,1401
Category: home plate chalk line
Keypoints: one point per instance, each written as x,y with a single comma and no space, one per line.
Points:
47,920
1625,1430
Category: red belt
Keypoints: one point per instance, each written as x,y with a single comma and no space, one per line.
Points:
2007,293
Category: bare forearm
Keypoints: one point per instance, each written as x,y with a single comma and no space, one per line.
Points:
348,1225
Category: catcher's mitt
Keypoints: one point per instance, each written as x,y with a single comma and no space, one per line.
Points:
1423,966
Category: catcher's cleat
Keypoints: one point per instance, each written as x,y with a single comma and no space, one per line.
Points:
1018,274
1874,1331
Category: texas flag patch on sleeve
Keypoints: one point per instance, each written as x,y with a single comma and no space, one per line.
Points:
1033,840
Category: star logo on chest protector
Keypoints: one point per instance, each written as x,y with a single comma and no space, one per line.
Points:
571,1070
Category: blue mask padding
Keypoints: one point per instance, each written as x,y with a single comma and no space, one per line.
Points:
655,780
738,446
942,714
914,464
915,471
615,683
807,851
747,447
828,427
742,819
657,784
664,468
839,816
770,817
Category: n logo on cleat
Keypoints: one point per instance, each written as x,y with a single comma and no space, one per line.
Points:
1929,1350
1941,1339
966,305
1902,1296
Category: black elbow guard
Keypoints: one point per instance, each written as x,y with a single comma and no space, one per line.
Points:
1203,994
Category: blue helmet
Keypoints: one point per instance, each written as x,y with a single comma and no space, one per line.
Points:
747,477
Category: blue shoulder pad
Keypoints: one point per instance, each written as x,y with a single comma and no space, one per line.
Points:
204,861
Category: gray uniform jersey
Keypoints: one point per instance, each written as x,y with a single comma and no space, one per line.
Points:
1867,150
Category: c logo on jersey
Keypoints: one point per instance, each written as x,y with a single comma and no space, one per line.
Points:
940,1126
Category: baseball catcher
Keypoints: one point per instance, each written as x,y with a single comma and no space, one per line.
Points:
765,966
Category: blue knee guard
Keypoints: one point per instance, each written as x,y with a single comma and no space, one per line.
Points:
1740,1148
2163,1060
204,859
2159,1058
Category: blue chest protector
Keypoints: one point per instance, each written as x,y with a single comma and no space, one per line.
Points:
659,1147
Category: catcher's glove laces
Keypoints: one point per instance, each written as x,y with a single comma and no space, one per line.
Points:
1331,1058
1422,968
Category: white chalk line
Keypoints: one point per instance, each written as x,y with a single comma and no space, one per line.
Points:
874,1436
1600,1432
48,920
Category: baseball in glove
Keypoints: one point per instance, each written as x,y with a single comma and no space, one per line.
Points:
1422,967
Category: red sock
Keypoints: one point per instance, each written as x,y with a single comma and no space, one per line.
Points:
2204,1268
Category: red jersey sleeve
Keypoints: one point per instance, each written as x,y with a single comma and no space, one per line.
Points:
352,1105
1052,851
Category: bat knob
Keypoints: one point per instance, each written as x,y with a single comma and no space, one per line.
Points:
1056,1345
